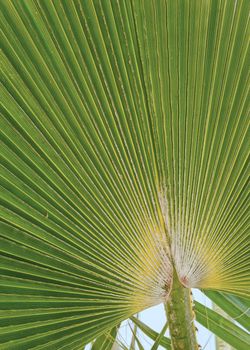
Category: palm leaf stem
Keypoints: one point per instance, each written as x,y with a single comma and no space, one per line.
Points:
181,317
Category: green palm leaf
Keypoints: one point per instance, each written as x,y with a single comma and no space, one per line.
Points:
164,341
124,152
236,307
105,341
160,337
223,328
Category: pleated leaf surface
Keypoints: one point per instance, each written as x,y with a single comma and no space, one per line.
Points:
124,151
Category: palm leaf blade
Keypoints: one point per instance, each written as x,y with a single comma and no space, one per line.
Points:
226,330
123,149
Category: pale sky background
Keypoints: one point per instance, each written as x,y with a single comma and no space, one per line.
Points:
155,318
